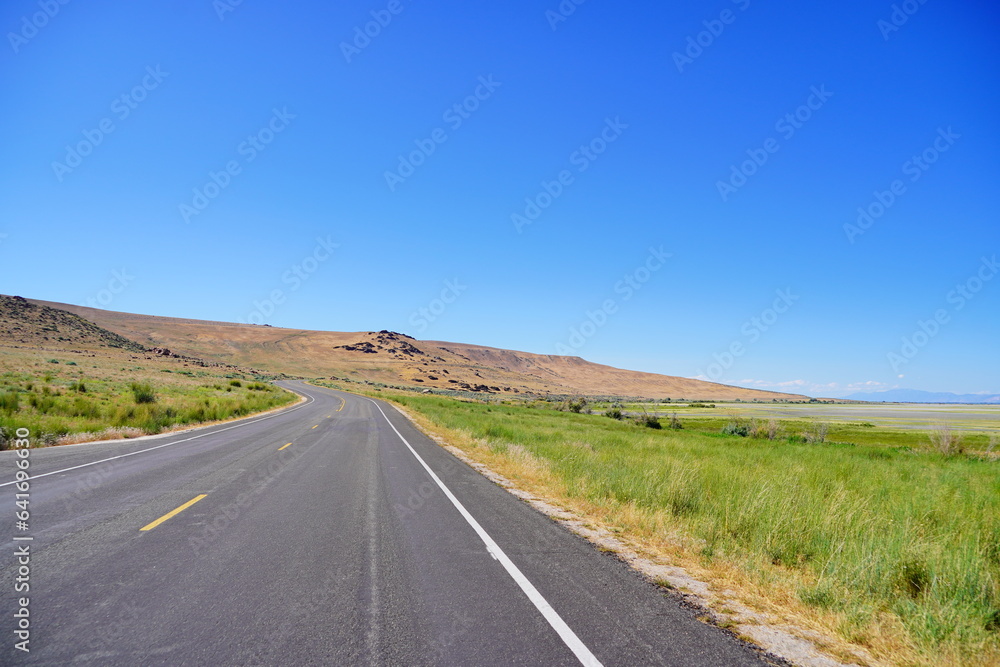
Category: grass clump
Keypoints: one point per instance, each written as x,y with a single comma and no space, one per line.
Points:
142,393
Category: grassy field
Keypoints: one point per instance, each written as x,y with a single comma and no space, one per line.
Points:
65,397
868,534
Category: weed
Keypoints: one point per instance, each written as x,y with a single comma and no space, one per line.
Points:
816,435
736,426
946,441
142,393
675,423
10,402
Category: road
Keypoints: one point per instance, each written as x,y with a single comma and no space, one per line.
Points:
360,542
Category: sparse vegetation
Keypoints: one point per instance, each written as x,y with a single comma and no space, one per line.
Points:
104,407
109,400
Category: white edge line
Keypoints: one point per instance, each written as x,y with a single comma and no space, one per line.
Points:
167,444
574,643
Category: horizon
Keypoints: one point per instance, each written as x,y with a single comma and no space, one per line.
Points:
777,197
362,331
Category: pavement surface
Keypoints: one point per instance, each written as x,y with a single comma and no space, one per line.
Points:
330,533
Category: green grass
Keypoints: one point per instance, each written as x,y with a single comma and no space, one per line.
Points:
130,401
868,526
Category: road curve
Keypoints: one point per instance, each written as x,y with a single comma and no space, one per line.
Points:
331,533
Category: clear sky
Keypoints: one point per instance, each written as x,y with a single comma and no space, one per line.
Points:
670,187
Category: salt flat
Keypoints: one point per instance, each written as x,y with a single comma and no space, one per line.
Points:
901,415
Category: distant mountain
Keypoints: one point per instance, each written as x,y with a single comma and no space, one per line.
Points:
918,396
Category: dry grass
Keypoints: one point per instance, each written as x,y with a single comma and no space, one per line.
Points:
946,441
110,433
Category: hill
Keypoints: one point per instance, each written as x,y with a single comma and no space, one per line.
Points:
23,322
66,379
29,327
394,358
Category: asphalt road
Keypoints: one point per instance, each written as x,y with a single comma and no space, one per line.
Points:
361,542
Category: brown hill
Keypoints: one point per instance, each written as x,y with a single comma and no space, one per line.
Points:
394,358
27,323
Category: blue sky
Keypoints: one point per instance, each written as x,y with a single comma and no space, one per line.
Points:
670,188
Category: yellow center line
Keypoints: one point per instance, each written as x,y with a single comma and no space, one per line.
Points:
342,404
168,515
283,446
316,425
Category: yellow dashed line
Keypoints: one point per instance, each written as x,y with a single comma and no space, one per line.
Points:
316,425
283,446
168,515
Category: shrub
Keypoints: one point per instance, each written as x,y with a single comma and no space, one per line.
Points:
10,402
578,405
614,413
736,427
763,430
143,393
78,386
946,441
675,423
42,404
235,383
817,434
647,420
